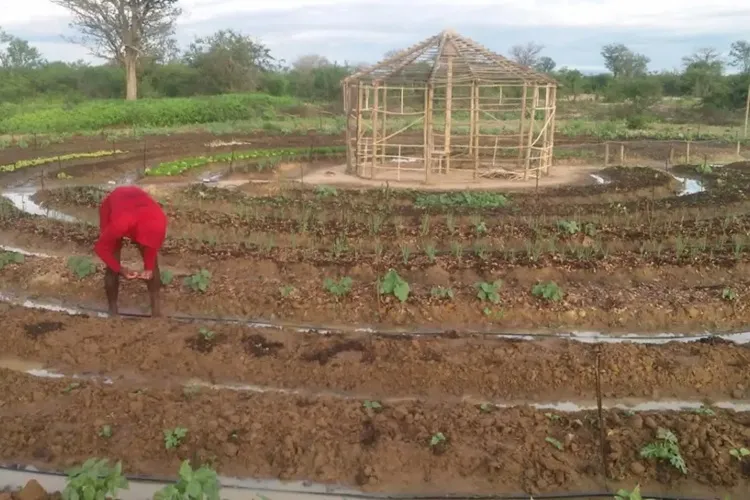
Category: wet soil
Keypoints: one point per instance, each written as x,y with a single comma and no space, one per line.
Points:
380,366
335,441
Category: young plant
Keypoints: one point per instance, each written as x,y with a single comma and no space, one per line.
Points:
166,276
326,191
568,226
729,295
7,258
393,284
739,453
430,251
549,291
437,439
206,334
667,448
173,437
94,480
201,484
199,281
624,494
372,405
286,290
81,266
338,288
554,442
440,292
105,431
489,291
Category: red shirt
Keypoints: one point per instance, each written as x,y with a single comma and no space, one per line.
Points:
129,211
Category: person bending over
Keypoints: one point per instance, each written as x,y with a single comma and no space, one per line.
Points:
129,212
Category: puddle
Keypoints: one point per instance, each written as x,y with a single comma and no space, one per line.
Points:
599,179
7,248
690,186
47,306
22,201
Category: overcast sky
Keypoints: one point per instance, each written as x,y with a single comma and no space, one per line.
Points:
572,31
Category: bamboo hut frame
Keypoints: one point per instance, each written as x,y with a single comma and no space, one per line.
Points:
464,99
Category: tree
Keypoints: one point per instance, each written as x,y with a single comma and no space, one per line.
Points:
739,56
18,54
124,31
545,65
309,62
707,56
571,80
526,55
703,71
623,62
228,61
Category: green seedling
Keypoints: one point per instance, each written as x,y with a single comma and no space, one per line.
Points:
206,334
338,288
326,191
437,438
393,284
489,291
553,417
480,227
554,442
705,410
105,431
493,314
568,226
71,387
431,252
286,290
81,266
739,453
199,281
166,277
666,448
191,391
94,480
486,407
7,258
201,484
373,405
173,437
549,291
635,494
729,295
440,292
63,175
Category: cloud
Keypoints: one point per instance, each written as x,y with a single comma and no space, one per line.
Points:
573,31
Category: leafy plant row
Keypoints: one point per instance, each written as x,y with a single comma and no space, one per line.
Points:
179,166
12,167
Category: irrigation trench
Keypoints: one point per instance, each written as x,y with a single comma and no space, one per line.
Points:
15,476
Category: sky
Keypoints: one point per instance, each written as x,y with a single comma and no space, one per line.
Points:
361,31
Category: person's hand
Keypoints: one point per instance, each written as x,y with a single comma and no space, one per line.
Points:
129,274
146,275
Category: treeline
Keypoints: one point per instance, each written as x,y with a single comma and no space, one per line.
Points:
230,62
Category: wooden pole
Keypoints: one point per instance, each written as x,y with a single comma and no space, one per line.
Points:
606,154
530,140
448,114
428,133
687,152
671,155
374,129
622,154
546,153
359,163
471,117
385,132
522,125
553,103
402,100
475,122
747,109
348,111
500,99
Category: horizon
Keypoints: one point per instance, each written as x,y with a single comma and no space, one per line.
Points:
573,33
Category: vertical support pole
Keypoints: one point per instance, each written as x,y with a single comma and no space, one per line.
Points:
622,154
747,110
606,154
671,155
448,114
358,159
687,152
430,94
477,129
530,139
375,110
522,126
546,152
348,112
385,132
553,104
402,100
472,107
500,97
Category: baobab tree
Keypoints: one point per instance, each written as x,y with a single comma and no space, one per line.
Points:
124,31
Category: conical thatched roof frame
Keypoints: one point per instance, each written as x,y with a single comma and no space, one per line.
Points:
427,62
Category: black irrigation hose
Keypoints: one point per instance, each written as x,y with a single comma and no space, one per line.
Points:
382,496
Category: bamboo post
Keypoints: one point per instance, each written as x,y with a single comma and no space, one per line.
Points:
522,125
553,103
448,114
398,164
545,151
428,133
385,132
687,152
359,164
494,152
472,106
622,154
671,155
500,98
606,154
529,142
474,139
347,110
402,100
374,130
737,138
747,110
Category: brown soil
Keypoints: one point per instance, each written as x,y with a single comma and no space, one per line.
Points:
53,424
376,366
